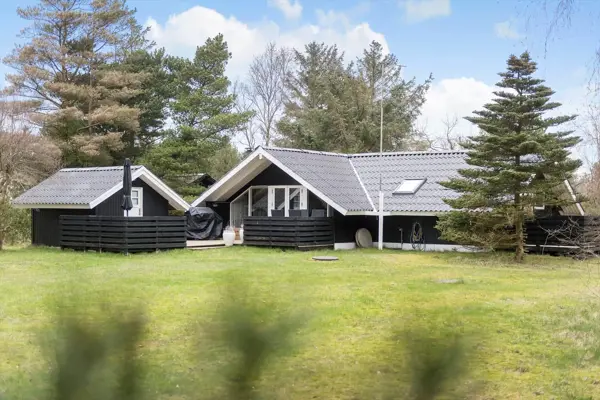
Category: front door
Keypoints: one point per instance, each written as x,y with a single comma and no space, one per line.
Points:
137,199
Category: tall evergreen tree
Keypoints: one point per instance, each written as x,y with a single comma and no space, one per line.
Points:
204,118
402,101
156,91
314,94
65,67
336,107
518,162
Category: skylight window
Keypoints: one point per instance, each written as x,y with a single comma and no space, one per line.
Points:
409,186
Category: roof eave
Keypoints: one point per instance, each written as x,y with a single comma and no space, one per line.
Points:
54,206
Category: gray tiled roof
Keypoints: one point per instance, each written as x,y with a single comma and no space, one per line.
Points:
73,186
339,177
330,173
435,167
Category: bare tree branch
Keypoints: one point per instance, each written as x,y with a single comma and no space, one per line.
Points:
267,76
243,104
25,158
449,140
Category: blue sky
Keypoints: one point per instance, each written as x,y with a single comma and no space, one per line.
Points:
464,43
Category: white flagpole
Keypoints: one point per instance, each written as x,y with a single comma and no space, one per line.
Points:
380,231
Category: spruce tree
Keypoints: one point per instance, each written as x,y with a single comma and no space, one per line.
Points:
314,103
520,159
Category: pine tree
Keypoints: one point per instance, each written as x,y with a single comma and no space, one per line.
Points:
203,112
65,66
155,93
519,162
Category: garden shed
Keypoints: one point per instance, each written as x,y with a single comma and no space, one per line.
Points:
80,207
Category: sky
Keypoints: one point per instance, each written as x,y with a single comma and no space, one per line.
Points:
463,43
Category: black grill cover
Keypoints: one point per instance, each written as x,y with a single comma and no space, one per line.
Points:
203,224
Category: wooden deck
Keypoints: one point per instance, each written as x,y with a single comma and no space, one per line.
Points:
208,244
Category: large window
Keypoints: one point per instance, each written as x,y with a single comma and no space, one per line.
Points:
272,201
259,203
278,204
239,210
295,201
282,199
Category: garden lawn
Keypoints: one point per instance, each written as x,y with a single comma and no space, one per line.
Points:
532,330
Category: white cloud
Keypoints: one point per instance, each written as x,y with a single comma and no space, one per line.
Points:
457,97
290,10
420,10
507,30
332,18
181,33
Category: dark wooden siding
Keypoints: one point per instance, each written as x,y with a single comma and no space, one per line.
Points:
221,208
154,204
122,234
315,203
45,222
561,234
396,229
45,226
297,232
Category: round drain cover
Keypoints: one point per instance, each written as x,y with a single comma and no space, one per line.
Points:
325,258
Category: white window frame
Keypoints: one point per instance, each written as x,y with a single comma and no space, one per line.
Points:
250,197
287,188
247,191
271,199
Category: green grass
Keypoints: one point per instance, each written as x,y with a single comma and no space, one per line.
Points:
534,329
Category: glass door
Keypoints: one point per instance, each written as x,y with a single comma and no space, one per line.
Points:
239,210
259,206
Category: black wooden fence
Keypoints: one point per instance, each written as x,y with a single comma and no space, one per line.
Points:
297,232
122,234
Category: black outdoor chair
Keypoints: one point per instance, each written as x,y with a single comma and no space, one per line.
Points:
318,212
298,213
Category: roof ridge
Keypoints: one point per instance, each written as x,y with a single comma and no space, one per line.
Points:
83,169
371,154
407,153
327,153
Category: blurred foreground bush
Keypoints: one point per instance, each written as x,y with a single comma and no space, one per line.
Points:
98,358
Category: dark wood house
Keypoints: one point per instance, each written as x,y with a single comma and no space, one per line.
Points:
92,197
304,198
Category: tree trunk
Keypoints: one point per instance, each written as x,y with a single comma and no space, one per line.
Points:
520,236
519,221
